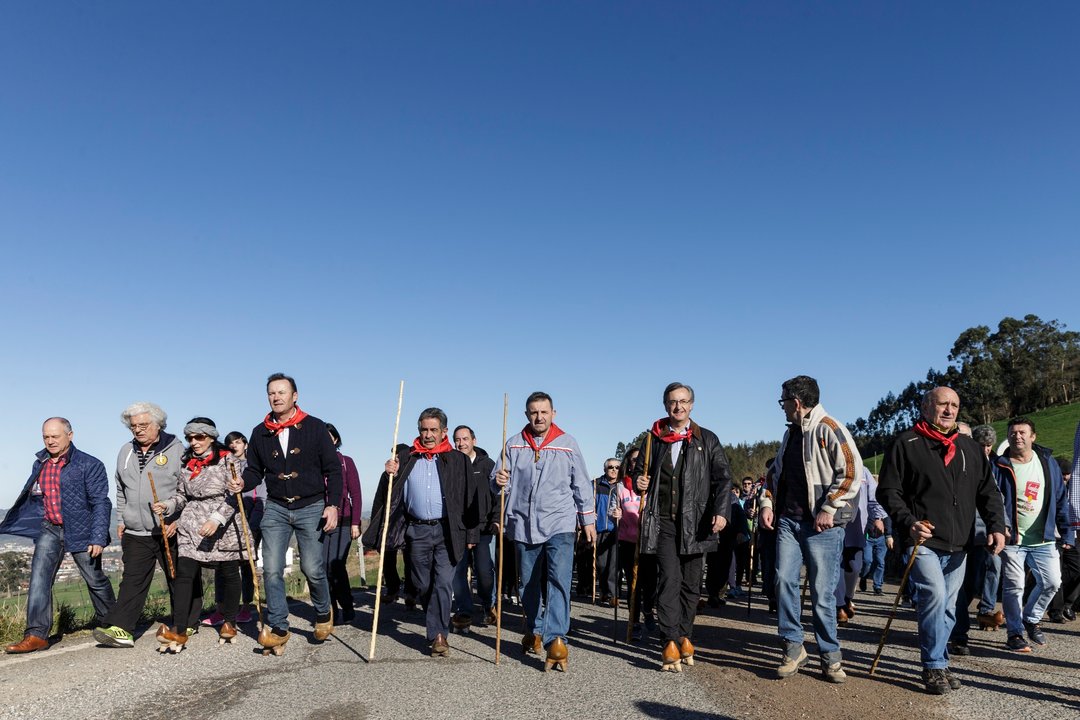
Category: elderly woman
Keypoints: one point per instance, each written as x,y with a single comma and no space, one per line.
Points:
208,529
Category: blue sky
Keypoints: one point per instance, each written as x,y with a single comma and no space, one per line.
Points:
481,198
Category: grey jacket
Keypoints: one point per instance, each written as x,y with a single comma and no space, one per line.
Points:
133,496
205,497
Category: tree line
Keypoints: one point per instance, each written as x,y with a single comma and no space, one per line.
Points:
744,458
1024,366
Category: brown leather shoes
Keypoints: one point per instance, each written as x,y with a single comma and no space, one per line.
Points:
30,643
557,655
670,660
686,651
439,646
531,644
990,621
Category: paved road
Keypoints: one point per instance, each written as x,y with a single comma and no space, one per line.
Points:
733,678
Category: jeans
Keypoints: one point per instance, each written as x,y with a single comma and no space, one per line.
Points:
936,578
278,525
49,551
874,560
1046,571
553,620
484,572
797,542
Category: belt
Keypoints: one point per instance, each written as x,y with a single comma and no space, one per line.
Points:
418,521
288,476
291,500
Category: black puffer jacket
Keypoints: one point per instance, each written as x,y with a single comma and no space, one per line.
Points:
704,492
459,497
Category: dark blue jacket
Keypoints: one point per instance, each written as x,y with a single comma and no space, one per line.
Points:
84,503
1056,501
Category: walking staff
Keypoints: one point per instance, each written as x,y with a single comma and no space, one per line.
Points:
250,549
502,532
164,535
896,603
637,548
386,525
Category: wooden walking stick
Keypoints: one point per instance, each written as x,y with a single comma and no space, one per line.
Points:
753,544
637,546
896,603
161,520
594,486
502,532
385,527
248,545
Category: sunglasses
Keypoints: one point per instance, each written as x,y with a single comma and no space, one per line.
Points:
200,437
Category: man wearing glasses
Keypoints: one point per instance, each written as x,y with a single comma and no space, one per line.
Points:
819,472
151,451
688,504
607,566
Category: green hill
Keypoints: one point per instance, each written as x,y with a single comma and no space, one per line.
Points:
1055,428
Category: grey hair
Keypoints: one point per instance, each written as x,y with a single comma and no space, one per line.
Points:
433,413
63,421
984,435
139,408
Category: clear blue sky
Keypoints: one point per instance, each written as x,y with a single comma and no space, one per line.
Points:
592,199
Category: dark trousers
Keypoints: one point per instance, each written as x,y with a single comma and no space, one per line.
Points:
719,562
646,578
226,584
607,563
140,554
336,546
391,577
678,583
432,574
511,582
1068,596
766,544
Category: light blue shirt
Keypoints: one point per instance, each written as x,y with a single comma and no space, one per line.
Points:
423,491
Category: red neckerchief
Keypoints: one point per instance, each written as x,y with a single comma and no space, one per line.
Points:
196,464
949,441
552,433
277,427
671,436
419,449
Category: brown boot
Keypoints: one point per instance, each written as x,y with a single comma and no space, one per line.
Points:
272,642
530,644
29,643
226,633
440,647
991,620
670,660
557,655
686,651
324,629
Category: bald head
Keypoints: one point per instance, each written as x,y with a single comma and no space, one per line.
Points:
56,433
940,407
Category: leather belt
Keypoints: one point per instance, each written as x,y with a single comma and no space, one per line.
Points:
418,521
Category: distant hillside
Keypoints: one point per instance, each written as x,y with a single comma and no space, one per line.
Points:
1055,428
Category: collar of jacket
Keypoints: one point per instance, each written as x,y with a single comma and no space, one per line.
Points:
813,418
164,440
43,454
1042,454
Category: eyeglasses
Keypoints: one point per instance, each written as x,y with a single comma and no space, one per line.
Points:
200,437
783,400
613,467
140,427
677,403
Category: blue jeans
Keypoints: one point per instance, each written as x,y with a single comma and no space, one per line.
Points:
557,556
874,560
797,542
991,581
936,579
49,551
278,525
1045,570
484,554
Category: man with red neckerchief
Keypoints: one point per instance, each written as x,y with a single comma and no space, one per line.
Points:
549,494
688,480
932,482
293,453
434,513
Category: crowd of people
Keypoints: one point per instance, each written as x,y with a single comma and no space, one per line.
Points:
664,530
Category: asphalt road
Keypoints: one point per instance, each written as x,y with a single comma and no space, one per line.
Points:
733,678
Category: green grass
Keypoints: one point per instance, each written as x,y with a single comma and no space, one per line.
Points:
1055,428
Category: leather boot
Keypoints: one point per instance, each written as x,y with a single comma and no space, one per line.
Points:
324,629
990,621
557,655
272,642
29,643
686,651
670,660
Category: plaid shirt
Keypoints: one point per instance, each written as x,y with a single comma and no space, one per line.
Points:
49,480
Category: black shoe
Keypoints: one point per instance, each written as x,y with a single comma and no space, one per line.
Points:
862,584
937,682
772,607
879,591
1056,617
1069,614
1035,633
1017,643
959,648
716,601
954,682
